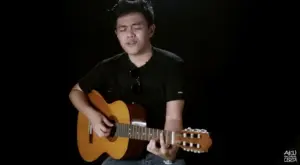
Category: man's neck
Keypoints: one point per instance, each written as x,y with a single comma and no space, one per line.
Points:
141,58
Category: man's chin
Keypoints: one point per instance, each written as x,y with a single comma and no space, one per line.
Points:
132,51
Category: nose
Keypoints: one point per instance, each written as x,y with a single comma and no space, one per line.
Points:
130,33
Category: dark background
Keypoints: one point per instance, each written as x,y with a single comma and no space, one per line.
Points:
239,69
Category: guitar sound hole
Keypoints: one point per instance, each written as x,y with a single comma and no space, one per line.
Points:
113,131
112,136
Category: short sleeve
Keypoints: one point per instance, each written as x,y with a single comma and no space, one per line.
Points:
175,82
94,79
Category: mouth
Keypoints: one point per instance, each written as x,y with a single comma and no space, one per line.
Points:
131,43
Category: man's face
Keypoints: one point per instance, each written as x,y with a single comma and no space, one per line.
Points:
133,32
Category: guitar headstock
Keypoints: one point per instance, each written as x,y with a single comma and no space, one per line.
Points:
194,140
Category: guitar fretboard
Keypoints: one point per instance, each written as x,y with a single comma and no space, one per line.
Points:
142,133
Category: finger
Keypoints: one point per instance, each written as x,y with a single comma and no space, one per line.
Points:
149,147
106,121
101,134
162,141
103,128
106,134
152,147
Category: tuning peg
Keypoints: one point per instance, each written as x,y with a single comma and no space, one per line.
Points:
201,130
195,151
188,129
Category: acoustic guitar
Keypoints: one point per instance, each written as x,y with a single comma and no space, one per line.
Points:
130,133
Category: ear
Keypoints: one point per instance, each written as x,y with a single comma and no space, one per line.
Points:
151,30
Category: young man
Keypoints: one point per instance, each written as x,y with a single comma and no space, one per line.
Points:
144,75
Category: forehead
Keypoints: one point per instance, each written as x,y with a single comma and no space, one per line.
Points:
130,19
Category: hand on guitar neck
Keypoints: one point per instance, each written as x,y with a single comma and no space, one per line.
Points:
101,125
165,150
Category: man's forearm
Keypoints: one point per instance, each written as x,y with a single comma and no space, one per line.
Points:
80,102
173,124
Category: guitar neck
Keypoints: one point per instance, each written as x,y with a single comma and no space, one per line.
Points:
143,133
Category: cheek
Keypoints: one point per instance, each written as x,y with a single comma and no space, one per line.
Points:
142,36
122,38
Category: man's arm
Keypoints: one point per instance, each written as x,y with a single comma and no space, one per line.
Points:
175,100
174,115
174,120
80,102
175,96
93,79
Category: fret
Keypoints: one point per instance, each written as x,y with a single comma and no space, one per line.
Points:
120,130
153,133
130,132
133,132
149,134
143,133
139,132
142,128
123,129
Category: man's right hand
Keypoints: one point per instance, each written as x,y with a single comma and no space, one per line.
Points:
101,125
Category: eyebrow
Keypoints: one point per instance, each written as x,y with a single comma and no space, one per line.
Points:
137,23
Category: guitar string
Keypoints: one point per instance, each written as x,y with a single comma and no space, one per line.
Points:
139,132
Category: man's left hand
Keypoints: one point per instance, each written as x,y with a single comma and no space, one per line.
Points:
165,151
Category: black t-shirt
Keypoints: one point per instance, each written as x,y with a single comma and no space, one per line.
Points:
161,79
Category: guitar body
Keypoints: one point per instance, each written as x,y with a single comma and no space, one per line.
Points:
91,147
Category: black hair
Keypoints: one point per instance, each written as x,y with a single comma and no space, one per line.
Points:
144,7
